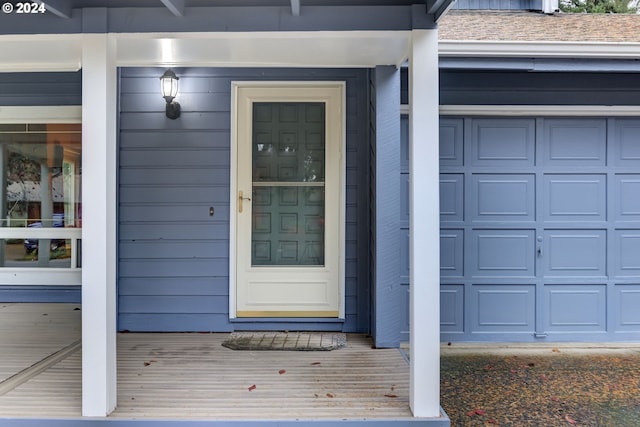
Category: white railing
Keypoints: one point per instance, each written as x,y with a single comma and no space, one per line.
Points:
36,275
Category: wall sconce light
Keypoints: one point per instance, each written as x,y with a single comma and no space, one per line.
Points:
169,87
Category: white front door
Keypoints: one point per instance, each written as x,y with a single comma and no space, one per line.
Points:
288,199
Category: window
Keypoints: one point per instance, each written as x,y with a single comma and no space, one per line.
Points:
40,198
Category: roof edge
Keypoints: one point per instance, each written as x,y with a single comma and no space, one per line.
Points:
539,49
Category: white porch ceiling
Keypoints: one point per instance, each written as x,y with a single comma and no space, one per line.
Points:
28,53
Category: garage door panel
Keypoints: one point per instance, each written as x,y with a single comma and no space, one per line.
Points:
626,254
503,197
502,253
502,308
575,197
626,303
452,308
627,197
575,142
506,143
451,142
580,253
540,228
626,149
575,308
451,197
452,253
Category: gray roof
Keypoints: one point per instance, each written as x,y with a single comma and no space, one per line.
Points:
531,26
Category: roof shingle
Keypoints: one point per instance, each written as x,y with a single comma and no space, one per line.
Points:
531,26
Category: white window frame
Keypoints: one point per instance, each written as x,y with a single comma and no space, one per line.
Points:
48,276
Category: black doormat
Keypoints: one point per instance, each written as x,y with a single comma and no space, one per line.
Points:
290,341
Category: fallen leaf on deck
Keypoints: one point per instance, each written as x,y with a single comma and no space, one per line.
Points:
281,371
253,387
390,395
331,395
315,363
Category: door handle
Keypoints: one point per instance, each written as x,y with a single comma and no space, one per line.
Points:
539,246
241,199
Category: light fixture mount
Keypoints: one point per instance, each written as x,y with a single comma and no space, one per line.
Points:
169,89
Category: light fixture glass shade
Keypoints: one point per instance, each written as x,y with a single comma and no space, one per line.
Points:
169,85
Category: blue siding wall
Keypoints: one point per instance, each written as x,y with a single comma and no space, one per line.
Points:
458,87
40,89
173,257
24,89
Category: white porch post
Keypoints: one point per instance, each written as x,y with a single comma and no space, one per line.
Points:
425,224
99,225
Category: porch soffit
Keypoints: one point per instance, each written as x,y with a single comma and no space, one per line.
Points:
31,53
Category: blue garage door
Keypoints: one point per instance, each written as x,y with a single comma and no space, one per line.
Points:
540,229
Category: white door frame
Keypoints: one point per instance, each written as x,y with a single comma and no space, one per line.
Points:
233,202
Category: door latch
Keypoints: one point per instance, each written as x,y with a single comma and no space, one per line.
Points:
241,199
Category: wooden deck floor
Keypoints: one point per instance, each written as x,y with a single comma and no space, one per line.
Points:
192,376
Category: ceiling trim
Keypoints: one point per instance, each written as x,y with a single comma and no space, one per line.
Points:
176,7
538,49
60,8
295,7
541,110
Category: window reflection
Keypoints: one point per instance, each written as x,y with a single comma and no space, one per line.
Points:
41,165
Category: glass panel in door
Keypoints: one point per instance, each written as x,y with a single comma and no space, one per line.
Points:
288,184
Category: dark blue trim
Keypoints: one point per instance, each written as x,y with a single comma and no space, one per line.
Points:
225,19
41,294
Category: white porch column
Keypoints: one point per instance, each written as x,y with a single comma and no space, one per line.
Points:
99,225
425,224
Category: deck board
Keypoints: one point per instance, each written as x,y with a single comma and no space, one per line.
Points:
192,376
31,332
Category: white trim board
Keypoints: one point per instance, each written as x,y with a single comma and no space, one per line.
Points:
40,114
541,110
540,49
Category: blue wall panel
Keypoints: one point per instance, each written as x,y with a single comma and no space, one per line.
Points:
502,309
625,308
575,308
173,270
499,142
25,89
575,197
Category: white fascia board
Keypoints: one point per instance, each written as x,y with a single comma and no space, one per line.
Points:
541,110
41,52
41,114
539,49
